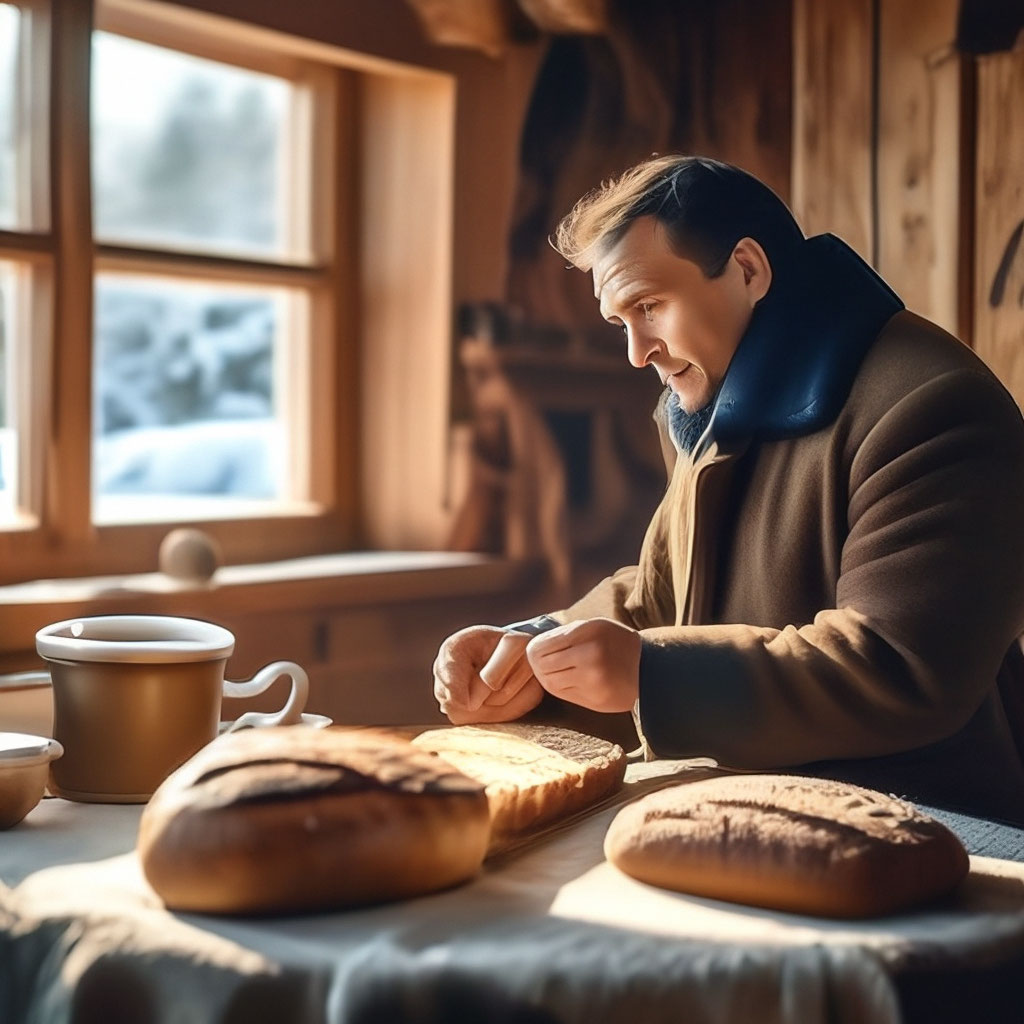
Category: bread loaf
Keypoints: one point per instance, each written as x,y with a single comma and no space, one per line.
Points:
806,845
533,774
286,819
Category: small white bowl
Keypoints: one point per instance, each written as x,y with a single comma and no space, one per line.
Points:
24,765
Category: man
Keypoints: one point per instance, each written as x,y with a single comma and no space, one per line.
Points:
834,579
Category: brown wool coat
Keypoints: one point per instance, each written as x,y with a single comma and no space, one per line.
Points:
848,599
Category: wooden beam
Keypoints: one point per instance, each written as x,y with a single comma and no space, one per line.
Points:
583,17
921,153
999,233
832,119
478,24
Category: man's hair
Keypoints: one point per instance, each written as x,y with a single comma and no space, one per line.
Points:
706,207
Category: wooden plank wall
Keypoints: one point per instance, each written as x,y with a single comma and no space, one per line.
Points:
832,120
914,154
918,154
999,245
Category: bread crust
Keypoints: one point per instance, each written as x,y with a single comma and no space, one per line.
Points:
291,819
806,845
533,774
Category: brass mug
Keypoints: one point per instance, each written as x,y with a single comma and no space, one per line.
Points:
135,696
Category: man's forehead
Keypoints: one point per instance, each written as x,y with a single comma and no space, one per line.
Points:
635,254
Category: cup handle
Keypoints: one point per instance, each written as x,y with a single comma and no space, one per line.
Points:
290,714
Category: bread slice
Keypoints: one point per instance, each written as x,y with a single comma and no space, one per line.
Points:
293,818
533,774
807,845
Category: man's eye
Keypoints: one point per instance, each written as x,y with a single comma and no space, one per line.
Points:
647,308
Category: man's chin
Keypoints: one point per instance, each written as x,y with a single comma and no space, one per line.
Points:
690,405
691,390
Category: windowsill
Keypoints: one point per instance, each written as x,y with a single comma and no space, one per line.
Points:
370,573
301,587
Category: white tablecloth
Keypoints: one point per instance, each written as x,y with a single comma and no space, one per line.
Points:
549,933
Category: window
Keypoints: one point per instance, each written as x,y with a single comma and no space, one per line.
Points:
187,410
197,154
169,348
9,496
9,26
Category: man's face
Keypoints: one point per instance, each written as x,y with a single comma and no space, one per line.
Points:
687,326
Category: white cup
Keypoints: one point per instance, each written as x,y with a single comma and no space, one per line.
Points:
135,696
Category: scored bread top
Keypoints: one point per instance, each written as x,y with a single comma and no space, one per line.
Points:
793,843
533,774
291,818
287,762
820,810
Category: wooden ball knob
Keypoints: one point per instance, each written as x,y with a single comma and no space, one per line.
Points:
189,554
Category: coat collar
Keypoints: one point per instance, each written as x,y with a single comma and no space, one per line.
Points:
795,365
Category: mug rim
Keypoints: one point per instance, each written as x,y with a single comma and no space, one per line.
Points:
196,640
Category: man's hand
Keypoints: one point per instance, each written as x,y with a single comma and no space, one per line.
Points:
481,674
594,663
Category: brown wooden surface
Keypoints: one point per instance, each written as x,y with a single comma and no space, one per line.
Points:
999,241
920,217
832,130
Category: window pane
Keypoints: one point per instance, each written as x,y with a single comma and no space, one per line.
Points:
8,432
189,153
187,405
8,122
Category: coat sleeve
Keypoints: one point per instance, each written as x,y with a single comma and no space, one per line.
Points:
929,598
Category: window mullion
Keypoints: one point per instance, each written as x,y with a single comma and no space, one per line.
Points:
167,262
67,491
30,246
335,405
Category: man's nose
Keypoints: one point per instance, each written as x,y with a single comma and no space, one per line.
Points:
641,347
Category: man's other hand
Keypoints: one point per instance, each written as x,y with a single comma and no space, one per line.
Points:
481,674
594,663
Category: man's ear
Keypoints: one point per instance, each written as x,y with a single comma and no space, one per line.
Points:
757,270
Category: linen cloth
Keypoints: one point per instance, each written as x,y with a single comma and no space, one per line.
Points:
549,932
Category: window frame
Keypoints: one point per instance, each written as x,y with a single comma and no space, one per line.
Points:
62,540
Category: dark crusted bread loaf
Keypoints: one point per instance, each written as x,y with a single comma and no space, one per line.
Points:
284,819
534,774
807,845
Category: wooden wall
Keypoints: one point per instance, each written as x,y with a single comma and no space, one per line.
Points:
668,76
998,280
913,152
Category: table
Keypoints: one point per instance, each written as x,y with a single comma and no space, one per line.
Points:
549,933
